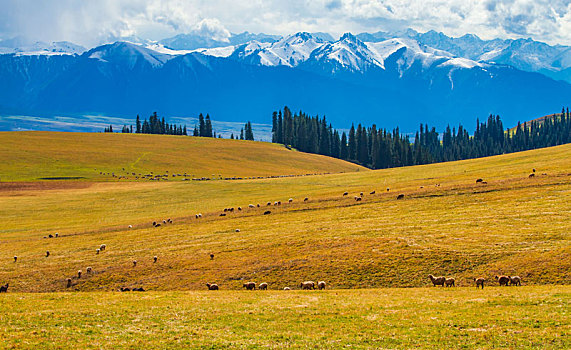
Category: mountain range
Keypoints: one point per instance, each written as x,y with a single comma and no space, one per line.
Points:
391,79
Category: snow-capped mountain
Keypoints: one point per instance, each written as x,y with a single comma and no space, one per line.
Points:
21,47
389,81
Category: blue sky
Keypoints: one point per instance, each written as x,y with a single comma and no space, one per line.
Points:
92,22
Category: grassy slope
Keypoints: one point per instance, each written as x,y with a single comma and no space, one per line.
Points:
28,156
512,318
514,224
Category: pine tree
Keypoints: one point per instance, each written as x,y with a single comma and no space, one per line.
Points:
208,126
138,123
201,125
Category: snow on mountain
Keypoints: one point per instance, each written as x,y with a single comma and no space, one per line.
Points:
128,55
40,48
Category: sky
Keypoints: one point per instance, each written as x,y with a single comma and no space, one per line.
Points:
93,22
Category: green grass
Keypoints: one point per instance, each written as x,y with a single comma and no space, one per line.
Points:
431,318
30,156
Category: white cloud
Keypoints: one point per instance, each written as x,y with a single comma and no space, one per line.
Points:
89,22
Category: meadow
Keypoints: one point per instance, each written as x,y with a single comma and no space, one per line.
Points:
375,254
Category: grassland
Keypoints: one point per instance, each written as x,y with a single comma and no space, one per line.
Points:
447,224
30,156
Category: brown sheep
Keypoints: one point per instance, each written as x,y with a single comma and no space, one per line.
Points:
531,175
249,285
212,286
388,189
307,285
155,259
503,280
78,273
358,199
47,253
263,286
449,282
400,196
345,193
251,206
515,281
361,194
15,258
68,282
373,192
479,180
97,251
222,214
89,269
437,281
134,263
321,285
305,199
211,256
267,212
102,247
290,200
479,282
4,288
269,203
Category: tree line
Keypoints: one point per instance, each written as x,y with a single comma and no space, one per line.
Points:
381,148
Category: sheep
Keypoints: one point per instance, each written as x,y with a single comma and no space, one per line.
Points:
155,259
89,269
140,289
307,285
222,214
479,282
239,208
251,206
515,281
400,196
290,200
263,286
125,289
199,215
287,288
154,223
130,226
57,234
225,210
102,247
437,281
68,282
170,222
533,170
134,263
212,286
321,285
305,199
276,203
503,280
345,193
164,222
237,230
267,212
51,236
449,282
388,189
249,285
4,288
15,258
211,256
361,194
531,175
373,192
269,203
158,225
358,199
97,251
47,253
479,180
78,273
279,202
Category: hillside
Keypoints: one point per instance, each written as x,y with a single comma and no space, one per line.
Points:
30,156
447,224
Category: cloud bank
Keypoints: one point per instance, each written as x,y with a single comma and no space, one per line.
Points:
91,22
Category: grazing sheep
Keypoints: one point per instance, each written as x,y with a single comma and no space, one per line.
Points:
57,234
199,215
400,196
212,286
263,286
269,203
503,280
287,288
154,223
164,222
321,285
373,192
388,189
515,281
237,230
140,289
225,210
47,253
222,214
125,289
89,269
134,263
449,282
361,194
307,285
97,251
479,180
533,170
211,256
479,282
68,282
279,202
276,203
251,206
239,208
4,288
78,273
290,200
158,225
531,175
358,199
305,199
130,226
345,193
15,258
267,212
102,247
170,222
155,259
437,281
249,285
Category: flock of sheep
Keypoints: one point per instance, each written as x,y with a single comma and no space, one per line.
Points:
450,282
307,285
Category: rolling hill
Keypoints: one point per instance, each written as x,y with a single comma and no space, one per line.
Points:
446,224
